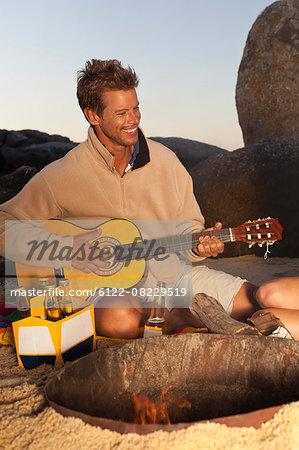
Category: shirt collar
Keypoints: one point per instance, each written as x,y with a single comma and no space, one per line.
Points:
134,156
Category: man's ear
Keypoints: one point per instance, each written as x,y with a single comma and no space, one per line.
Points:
91,116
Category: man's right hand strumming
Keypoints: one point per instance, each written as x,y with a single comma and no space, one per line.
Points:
86,256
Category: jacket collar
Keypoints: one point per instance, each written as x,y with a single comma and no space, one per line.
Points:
141,160
143,156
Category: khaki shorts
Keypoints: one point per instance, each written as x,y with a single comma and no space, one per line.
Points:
196,280
220,285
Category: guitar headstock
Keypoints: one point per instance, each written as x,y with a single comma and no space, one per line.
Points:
258,231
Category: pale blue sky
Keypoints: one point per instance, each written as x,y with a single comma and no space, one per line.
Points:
186,54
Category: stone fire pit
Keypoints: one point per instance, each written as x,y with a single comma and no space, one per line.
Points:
217,375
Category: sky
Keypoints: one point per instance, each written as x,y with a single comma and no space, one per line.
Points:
186,54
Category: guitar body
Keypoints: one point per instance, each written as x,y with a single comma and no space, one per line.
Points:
115,232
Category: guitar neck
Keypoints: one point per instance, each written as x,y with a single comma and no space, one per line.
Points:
224,235
172,244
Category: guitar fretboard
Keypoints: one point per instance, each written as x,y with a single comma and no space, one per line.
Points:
171,244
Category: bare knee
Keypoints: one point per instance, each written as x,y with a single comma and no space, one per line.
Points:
118,320
269,295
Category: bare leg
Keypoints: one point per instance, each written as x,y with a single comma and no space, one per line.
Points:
250,299
283,292
245,303
119,318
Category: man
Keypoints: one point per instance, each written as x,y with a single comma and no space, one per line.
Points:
118,173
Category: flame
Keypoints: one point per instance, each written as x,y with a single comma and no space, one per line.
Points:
148,412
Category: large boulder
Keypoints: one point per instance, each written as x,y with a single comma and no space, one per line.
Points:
267,93
188,151
36,155
13,138
254,182
23,154
31,148
12,183
39,137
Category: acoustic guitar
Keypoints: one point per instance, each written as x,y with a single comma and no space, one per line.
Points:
129,252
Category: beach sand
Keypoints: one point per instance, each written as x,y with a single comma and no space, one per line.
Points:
26,421
254,269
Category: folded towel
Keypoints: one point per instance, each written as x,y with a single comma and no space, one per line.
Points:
6,336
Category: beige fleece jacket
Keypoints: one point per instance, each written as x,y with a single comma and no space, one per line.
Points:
85,185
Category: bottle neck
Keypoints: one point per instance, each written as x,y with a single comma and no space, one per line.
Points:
157,313
51,300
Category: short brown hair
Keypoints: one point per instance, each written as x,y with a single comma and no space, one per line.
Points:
100,76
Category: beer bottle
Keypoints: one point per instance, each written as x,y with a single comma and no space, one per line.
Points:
42,286
155,324
23,306
65,301
51,304
43,282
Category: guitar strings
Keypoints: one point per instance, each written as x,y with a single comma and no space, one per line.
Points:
171,244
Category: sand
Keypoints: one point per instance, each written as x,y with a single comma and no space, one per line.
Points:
26,421
255,269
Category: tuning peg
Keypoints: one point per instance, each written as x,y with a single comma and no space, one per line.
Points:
260,244
250,245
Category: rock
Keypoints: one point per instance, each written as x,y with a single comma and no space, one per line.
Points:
31,147
188,151
257,181
3,134
38,137
12,183
13,138
267,93
37,155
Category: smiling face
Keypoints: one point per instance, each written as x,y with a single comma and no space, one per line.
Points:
118,127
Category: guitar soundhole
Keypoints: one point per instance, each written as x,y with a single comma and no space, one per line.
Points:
108,243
